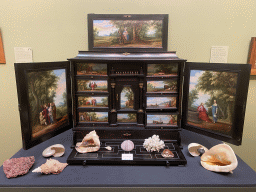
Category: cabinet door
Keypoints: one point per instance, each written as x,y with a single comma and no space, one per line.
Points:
214,99
44,96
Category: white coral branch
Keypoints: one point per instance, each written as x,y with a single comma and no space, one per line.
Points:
153,144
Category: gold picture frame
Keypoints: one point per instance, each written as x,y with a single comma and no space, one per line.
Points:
2,56
252,55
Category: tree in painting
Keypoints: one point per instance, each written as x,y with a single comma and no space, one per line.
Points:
127,33
209,89
46,89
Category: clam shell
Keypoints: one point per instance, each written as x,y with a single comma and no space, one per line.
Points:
220,158
127,145
167,153
193,149
56,150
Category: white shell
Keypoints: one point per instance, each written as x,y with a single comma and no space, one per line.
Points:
220,158
127,145
108,148
56,150
37,170
90,143
193,147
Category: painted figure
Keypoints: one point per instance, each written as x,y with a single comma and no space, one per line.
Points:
202,113
126,35
214,111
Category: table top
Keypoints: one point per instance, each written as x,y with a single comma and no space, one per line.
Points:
190,175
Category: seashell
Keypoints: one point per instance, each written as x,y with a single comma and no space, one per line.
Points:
127,145
167,153
51,166
220,158
194,149
108,148
90,143
56,150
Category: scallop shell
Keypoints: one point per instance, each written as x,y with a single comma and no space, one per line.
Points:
127,145
90,143
220,158
193,149
56,150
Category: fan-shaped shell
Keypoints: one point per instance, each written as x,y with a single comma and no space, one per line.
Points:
127,145
220,158
193,149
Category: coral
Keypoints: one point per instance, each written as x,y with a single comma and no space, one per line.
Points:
153,143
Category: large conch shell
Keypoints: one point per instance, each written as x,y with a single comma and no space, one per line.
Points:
51,166
220,158
90,143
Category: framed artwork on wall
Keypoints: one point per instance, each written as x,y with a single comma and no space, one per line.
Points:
2,56
128,32
252,55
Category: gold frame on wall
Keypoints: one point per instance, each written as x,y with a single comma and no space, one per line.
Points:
252,55
2,57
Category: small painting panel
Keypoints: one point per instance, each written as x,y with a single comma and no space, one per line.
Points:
92,101
93,117
92,85
127,98
169,86
161,102
127,118
47,100
211,101
161,120
162,69
91,69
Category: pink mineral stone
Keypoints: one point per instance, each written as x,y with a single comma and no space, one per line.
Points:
127,145
17,166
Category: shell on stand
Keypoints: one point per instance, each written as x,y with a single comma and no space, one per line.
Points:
220,158
194,149
127,145
56,150
90,143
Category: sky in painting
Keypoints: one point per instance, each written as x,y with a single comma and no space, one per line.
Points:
194,75
157,84
100,84
104,27
98,99
158,100
61,86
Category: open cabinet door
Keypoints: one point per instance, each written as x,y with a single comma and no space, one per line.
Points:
214,99
44,97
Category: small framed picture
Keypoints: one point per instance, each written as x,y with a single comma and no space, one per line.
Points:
44,96
214,101
128,32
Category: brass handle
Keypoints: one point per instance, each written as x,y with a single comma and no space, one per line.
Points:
127,134
116,97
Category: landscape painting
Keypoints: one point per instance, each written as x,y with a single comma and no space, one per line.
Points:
161,102
162,69
47,100
211,100
91,85
93,117
92,101
91,69
161,120
127,118
162,86
127,98
127,33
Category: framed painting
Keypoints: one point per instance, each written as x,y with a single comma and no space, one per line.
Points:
161,102
127,118
162,86
92,102
92,85
162,120
214,100
96,69
252,55
93,117
162,70
128,33
2,56
44,96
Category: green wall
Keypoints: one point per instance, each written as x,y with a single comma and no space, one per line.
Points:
57,30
